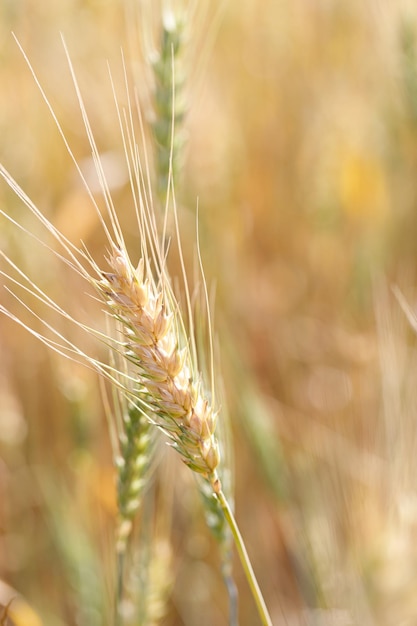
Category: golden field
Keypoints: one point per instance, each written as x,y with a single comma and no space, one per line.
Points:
300,151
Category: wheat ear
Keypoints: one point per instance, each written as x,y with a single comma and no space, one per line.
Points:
164,370
133,465
168,104
133,461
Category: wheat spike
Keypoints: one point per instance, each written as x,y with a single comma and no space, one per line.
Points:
174,393
136,447
168,105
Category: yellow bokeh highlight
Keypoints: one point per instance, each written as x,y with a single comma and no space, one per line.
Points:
362,187
23,615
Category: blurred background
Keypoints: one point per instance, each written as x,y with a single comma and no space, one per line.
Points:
300,148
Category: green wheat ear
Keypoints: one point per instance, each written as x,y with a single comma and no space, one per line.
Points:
133,440
136,447
169,108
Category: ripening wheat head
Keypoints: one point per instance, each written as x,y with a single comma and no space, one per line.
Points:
152,343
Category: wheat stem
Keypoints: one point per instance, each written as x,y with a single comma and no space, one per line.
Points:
244,559
119,587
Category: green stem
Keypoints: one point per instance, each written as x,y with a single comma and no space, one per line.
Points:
244,558
119,587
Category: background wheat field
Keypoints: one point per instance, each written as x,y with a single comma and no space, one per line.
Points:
300,149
